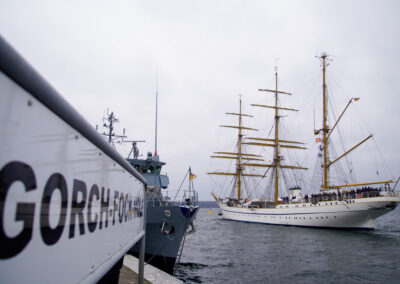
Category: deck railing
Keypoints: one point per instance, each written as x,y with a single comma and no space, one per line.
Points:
170,197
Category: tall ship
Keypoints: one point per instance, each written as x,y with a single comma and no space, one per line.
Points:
343,205
169,214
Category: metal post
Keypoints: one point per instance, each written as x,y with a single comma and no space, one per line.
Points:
141,260
142,244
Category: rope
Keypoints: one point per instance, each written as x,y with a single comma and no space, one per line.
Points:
180,186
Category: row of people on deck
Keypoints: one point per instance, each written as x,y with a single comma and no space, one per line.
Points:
362,192
339,195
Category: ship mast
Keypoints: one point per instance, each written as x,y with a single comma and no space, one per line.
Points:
111,136
239,156
325,127
277,143
276,158
327,133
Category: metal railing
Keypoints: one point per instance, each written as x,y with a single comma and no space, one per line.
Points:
168,198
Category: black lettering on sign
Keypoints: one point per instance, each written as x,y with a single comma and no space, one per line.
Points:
10,173
126,209
104,207
124,205
55,182
116,195
141,207
92,223
121,207
129,208
77,208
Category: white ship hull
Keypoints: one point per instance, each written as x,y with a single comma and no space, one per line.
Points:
344,214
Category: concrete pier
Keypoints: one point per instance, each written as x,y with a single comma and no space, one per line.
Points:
152,275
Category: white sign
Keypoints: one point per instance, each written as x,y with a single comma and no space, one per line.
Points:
68,212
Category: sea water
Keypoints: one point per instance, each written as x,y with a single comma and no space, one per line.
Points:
223,251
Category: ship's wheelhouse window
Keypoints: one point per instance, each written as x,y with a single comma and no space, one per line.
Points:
143,169
158,170
151,169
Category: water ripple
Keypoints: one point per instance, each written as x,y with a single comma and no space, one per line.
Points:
224,251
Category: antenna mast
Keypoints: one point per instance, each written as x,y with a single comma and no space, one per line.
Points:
155,146
111,136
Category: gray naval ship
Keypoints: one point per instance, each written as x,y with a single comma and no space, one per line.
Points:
169,217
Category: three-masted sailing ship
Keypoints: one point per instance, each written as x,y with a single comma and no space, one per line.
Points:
347,206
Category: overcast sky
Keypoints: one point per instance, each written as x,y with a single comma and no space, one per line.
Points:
107,54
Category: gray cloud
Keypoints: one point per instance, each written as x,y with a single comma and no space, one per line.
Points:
102,54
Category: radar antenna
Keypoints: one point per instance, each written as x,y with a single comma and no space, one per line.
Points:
134,149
